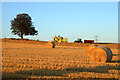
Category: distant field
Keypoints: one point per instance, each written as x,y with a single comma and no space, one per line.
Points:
31,59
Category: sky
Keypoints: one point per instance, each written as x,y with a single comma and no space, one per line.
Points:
70,20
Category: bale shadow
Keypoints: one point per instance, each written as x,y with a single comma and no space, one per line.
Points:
82,69
108,67
116,54
97,69
36,72
115,61
42,72
56,73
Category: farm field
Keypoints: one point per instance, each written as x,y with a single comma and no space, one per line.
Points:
31,59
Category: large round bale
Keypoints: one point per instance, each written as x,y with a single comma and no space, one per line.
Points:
108,52
89,48
99,53
50,45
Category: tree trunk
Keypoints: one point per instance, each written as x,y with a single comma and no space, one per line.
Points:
21,35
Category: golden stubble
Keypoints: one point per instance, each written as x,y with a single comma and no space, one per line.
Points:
36,60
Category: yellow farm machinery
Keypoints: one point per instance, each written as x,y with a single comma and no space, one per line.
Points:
59,39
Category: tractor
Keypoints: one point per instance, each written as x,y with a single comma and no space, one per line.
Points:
78,41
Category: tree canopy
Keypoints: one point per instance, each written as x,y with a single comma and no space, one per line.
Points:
22,25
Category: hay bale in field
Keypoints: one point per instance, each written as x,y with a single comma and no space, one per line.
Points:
50,45
108,52
99,53
89,48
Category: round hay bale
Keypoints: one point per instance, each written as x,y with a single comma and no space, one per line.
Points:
50,45
99,53
108,52
89,48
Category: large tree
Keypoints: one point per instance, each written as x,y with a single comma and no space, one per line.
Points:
22,25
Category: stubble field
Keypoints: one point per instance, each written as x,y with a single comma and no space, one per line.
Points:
31,59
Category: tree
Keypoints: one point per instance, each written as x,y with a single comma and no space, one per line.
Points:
22,25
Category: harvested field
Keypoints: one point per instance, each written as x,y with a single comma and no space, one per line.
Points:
32,59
